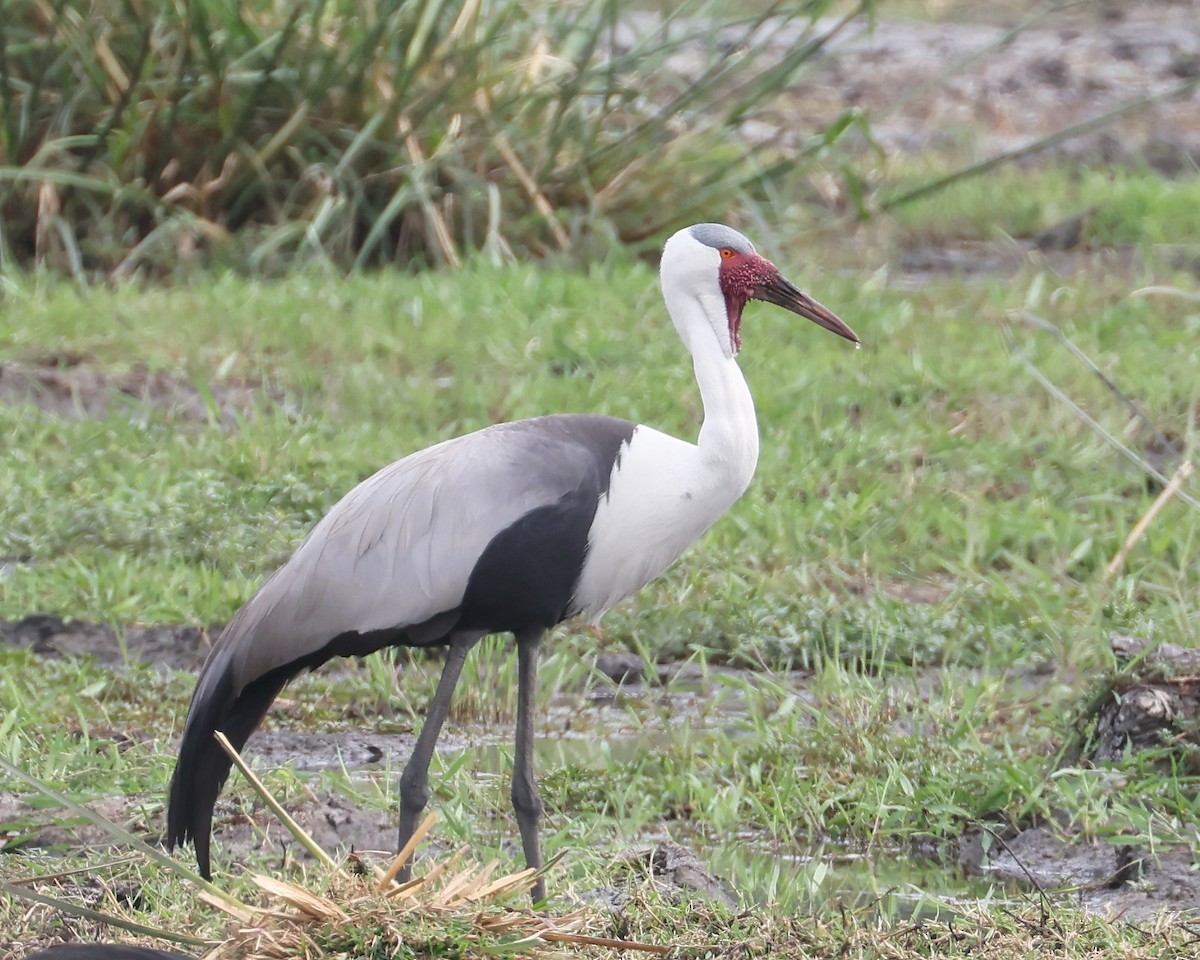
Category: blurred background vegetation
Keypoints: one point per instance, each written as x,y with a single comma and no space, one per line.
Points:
165,135
143,132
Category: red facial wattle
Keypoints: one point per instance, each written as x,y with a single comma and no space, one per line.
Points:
741,274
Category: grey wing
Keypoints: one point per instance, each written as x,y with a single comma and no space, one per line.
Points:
399,548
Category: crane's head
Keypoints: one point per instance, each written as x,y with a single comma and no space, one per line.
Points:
719,268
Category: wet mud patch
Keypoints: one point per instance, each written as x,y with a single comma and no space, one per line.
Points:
1114,879
1146,712
673,870
926,83
338,824
245,828
70,386
173,646
357,750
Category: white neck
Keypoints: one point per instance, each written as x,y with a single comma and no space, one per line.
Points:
729,434
666,492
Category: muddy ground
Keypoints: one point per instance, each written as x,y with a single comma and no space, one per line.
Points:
1040,861
991,78
930,86
68,385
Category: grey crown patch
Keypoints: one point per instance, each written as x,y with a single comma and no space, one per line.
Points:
717,235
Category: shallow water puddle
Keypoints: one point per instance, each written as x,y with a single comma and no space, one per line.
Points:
886,882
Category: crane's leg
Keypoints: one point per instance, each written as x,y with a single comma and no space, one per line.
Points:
526,803
414,781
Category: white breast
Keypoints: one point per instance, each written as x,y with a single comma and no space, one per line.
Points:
664,493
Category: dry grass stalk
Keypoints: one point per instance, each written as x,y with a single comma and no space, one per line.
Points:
318,908
275,806
524,177
406,852
433,217
1173,486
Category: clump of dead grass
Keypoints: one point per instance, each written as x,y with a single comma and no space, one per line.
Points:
455,908
451,908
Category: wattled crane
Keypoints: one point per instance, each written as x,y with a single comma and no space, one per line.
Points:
511,529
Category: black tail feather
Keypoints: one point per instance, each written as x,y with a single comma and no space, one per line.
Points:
203,767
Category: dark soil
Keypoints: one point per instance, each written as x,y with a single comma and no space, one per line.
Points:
1108,878
70,386
930,86
170,646
1151,705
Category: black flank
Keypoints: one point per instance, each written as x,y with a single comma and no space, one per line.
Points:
527,574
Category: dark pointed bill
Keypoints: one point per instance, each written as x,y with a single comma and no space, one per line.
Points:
782,293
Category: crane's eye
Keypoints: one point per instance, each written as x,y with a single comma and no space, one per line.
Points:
727,253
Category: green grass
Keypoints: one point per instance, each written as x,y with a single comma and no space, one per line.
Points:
1120,207
926,538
